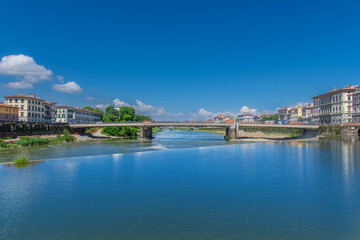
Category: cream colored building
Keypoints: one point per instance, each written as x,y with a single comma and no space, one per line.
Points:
31,108
334,107
356,105
71,115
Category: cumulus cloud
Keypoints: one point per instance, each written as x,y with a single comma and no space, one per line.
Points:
206,114
25,68
118,103
147,109
102,106
156,112
70,87
246,109
19,85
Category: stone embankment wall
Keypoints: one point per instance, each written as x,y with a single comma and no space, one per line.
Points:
338,131
15,129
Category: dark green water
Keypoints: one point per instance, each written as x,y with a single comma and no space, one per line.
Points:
187,185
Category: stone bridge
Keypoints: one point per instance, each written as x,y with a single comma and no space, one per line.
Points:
232,130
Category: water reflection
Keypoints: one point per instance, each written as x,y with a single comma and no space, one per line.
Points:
287,190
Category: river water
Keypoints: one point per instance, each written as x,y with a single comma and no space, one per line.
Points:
184,185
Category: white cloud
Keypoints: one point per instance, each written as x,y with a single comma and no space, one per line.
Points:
90,98
147,109
246,109
102,106
60,78
206,114
19,85
70,87
118,103
156,112
24,67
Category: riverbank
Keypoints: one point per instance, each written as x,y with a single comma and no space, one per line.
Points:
211,130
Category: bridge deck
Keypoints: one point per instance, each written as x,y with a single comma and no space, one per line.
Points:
218,125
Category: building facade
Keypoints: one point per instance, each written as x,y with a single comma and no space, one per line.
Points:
306,113
50,112
31,108
334,107
246,118
9,113
356,105
284,114
71,115
295,114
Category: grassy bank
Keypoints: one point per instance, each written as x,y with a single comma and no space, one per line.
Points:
211,130
33,141
156,130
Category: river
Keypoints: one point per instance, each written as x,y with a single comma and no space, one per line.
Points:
183,185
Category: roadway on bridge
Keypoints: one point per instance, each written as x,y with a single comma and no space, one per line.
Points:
200,124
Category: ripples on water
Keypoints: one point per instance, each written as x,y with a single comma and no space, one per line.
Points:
287,190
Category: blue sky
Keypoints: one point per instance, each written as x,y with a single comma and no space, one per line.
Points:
169,58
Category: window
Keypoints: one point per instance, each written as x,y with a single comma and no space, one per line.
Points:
6,109
16,100
22,107
22,114
22,100
13,110
10,100
29,101
6,116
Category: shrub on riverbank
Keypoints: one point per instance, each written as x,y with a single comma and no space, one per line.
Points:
2,143
21,162
65,138
127,132
227,137
156,130
31,141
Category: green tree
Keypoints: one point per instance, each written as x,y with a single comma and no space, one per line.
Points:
111,113
98,110
127,111
88,108
127,117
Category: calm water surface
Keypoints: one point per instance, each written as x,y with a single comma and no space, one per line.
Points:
192,186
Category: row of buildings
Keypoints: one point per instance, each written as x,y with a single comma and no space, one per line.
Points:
34,109
338,106
242,118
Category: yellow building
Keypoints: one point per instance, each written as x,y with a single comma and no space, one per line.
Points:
31,108
9,113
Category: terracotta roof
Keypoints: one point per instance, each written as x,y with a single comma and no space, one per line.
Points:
23,96
49,102
336,91
246,114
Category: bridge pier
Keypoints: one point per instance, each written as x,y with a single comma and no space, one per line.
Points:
146,133
231,133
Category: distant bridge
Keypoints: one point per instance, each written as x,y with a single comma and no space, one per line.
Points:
231,130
